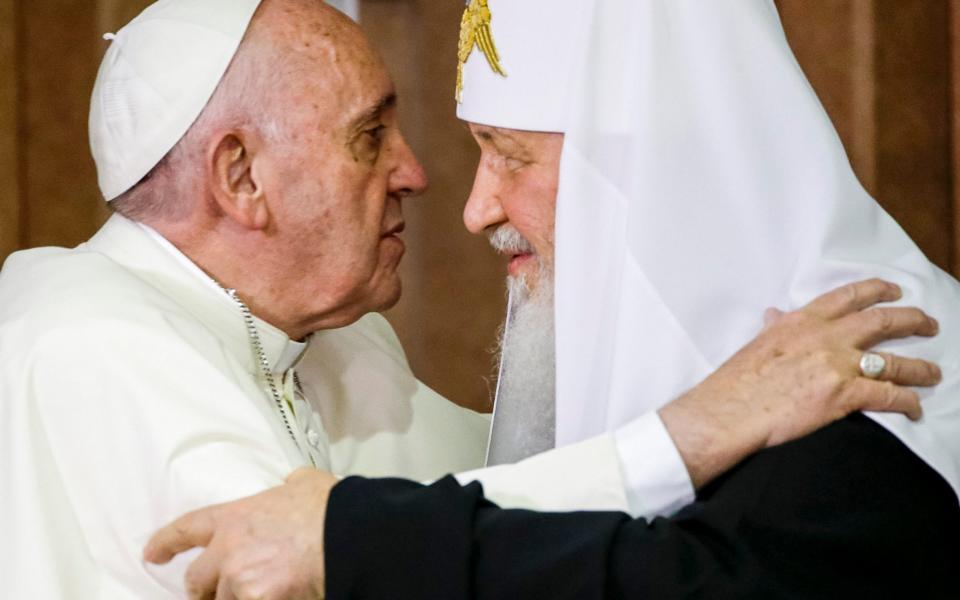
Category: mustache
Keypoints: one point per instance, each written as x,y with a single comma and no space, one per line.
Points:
506,239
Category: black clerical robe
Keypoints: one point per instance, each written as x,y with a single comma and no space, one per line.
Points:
848,512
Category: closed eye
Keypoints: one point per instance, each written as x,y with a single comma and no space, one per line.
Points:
515,164
375,132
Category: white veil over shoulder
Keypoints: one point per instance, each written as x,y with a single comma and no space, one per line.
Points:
701,183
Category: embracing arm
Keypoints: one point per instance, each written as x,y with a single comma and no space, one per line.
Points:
845,512
800,373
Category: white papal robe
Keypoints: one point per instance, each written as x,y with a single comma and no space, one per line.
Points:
129,395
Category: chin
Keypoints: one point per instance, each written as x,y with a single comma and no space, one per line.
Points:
360,302
385,287
533,280
390,295
529,279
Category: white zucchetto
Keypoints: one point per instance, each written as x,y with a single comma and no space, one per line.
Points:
156,78
536,42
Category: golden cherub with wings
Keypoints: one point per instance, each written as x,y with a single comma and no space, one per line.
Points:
475,31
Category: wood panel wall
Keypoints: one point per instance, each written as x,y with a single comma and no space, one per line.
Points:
453,298
9,130
49,54
886,71
955,129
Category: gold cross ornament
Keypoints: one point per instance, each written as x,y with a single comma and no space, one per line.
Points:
475,31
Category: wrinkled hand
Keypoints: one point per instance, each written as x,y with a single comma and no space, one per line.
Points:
802,372
264,547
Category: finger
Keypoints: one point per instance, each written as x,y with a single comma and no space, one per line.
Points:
870,327
242,579
908,371
189,531
853,297
883,396
203,576
225,590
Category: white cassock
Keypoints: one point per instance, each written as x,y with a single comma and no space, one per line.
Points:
129,395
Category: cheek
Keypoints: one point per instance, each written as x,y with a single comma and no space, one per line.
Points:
361,219
341,206
532,212
358,200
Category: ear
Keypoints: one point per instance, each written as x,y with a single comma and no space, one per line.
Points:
235,185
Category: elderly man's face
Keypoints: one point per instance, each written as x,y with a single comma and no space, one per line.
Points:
516,189
340,174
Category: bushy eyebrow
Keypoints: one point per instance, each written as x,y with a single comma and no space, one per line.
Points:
389,100
501,140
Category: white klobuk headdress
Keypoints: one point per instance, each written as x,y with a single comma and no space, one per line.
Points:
701,183
515,62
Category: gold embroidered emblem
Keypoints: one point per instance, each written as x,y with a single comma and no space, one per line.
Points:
475,31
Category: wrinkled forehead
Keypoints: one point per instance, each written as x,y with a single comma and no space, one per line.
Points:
517,60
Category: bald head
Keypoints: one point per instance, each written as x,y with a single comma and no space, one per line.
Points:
295,49
295,26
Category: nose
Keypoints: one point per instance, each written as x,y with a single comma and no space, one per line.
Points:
483,208
408,177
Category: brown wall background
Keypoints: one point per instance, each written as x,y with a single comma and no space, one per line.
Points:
887,70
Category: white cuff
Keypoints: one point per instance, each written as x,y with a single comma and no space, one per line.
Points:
656,478
583,476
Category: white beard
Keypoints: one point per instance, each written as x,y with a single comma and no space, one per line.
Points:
525,416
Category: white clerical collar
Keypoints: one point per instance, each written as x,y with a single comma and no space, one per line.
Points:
290,351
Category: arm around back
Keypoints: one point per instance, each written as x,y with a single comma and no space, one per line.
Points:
845,512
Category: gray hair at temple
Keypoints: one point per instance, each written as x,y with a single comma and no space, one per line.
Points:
251,95
241,101
246,99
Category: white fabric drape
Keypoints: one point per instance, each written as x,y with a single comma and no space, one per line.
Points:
702,182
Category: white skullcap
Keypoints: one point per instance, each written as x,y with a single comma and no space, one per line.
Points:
539,43
155,80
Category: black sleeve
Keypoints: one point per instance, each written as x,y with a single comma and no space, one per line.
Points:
847,512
